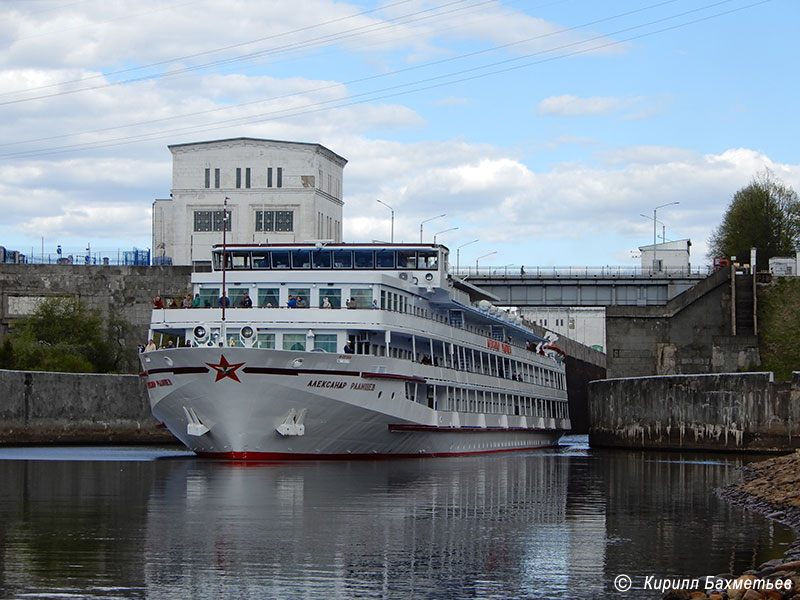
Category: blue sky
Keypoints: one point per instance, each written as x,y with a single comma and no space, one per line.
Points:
544,129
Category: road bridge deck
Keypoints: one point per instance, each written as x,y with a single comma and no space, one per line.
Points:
582,286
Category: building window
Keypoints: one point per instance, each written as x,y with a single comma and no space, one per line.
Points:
238,177
216,178
275,220
284,219
247,177
208,178
278,178
210,220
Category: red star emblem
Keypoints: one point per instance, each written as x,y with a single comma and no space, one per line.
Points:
225,369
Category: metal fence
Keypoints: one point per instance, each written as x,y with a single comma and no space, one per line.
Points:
117,257
608,272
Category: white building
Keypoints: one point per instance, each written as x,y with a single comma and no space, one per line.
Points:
584,325
278,192
669,256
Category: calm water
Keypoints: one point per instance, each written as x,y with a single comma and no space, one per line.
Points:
160,524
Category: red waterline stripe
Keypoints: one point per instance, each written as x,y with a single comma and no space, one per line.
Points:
289,456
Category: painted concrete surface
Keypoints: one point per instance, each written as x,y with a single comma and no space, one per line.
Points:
39,407
726,412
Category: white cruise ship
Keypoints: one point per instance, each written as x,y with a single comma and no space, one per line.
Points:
349,351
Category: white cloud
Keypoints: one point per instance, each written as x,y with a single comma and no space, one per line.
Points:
572,106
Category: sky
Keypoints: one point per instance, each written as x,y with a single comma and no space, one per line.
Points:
548,131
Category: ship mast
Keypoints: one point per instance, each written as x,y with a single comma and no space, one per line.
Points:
224,258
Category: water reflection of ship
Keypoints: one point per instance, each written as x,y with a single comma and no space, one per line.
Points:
410,527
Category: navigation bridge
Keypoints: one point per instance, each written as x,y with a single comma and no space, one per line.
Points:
582,286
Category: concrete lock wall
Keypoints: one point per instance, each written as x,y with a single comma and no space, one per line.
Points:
129,290
38,407
731,412
691,334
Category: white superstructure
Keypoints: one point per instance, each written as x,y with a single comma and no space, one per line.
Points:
349,350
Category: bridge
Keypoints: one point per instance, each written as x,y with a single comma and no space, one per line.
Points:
582,286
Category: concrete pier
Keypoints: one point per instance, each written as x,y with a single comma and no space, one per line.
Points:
727,412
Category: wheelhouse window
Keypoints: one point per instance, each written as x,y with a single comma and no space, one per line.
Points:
321,259
260,260
240,260
428,259
342,259
384,259
210,220
364,259
280,259
406,259
301,259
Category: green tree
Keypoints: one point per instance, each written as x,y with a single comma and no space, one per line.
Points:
64,335
764,215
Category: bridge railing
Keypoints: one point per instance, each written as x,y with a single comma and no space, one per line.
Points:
607,272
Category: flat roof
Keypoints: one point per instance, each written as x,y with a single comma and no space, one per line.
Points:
324,150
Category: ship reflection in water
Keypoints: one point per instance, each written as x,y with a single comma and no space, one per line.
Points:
543,524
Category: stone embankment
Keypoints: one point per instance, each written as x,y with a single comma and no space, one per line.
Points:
68,408
772,488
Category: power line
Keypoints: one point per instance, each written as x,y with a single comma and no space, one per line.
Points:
359,80
402,89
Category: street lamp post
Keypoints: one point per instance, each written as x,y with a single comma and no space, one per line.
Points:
440,232
391,209
663,228
655,210
425,221
480,257
458,254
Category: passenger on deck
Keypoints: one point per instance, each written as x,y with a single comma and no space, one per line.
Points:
197,303
292,302
348,348
350,303
326,303
246,302
171,303
187,301
151,346
375,304
301,303
158,302
223,301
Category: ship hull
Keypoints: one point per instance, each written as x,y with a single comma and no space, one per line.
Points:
258,404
